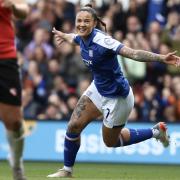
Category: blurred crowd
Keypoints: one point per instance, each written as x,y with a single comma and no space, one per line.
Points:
54,78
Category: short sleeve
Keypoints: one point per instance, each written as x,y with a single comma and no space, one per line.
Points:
108,43
119,47
112,44
77,39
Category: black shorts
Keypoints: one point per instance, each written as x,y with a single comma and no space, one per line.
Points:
10,85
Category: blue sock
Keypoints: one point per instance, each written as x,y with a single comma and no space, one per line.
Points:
71,147
136,136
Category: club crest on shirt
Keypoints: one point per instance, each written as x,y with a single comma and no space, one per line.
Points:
90,53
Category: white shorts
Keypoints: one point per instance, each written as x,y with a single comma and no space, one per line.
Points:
115,110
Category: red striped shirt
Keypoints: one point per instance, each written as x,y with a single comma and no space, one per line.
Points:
7,36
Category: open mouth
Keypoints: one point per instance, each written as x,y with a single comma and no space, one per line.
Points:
82,30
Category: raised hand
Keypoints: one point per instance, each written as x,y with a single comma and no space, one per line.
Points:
7,4
172,59
19,8
59,36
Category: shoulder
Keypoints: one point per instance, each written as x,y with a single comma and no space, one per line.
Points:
105,40
77,38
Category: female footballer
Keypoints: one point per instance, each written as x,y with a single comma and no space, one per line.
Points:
109,94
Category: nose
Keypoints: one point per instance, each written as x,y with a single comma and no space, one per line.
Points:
82,23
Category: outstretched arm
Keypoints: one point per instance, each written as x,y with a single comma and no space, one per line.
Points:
145,56
60,37
20,8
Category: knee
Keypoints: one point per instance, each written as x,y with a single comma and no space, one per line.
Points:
110,143
13,125
74,127
125,134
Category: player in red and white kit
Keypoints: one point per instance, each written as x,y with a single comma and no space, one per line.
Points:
10,86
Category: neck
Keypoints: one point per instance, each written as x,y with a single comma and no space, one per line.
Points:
85,38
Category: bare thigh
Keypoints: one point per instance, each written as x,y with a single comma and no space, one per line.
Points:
84,112
11,116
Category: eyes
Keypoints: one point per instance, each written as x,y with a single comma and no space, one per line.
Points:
86,21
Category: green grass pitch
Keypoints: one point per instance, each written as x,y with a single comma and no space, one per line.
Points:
93,171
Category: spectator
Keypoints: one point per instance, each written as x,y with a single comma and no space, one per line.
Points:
39,39
30,107
149,106
133,24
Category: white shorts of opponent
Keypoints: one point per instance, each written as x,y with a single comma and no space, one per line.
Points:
115,110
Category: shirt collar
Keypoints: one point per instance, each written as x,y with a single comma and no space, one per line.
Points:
90,37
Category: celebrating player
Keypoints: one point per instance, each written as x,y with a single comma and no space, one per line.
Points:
10,88
109,94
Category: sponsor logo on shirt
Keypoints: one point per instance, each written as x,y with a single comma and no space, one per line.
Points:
87,62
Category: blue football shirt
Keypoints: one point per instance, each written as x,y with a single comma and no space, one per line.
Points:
99,53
